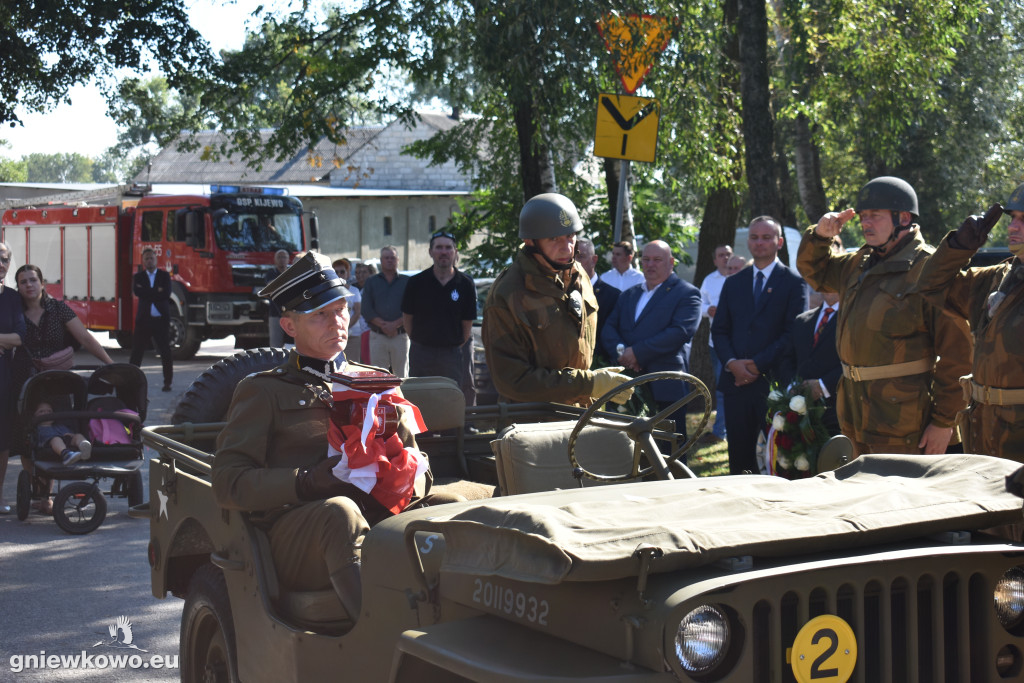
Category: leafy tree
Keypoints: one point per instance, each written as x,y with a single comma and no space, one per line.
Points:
50,45
11,171
59,168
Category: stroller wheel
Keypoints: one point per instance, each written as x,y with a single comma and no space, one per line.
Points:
79,508
24,494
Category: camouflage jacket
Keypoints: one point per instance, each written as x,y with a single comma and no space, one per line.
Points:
998,351
883,320
538,336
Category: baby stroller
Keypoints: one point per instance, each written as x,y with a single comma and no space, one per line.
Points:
108,408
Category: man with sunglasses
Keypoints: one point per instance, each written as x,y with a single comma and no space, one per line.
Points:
438,310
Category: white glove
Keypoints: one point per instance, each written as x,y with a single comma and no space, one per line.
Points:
607,379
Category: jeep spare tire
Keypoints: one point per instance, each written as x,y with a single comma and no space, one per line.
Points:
208,397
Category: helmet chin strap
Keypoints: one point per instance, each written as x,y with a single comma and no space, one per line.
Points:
897,229
531,249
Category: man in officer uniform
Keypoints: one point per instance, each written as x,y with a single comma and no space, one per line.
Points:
992,300
902,357
540,319
271,458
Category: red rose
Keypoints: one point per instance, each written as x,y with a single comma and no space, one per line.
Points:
783,441
793,417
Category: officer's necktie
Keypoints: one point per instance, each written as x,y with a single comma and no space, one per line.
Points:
758,287
821,324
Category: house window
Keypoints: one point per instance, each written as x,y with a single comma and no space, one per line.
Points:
387,226
432,224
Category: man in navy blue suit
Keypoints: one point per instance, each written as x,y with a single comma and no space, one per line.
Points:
811,356
755,313
652,321
152,286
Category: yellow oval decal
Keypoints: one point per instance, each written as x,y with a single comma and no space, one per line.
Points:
824,651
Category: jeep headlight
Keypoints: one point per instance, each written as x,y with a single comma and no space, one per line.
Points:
702,639
1009,598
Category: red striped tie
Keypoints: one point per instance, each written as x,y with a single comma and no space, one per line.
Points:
821,325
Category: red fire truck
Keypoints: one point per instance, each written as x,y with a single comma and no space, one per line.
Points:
219,249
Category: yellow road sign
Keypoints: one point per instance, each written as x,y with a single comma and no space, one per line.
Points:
627,127
634,41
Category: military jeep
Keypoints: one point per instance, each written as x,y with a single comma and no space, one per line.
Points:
889,568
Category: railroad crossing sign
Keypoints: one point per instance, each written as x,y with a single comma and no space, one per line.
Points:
627,127
634,41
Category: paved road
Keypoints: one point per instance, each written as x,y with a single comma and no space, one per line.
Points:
60,594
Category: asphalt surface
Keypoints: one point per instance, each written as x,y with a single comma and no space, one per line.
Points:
61,595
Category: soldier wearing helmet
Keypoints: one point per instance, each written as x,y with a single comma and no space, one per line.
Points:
992,301
901,356
540,318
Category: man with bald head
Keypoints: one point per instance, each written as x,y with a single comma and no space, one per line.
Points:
652,322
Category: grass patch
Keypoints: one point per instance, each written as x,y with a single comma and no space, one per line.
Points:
709,460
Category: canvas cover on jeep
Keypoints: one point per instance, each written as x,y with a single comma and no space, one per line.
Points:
875,499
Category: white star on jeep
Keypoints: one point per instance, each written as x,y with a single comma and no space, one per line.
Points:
163,505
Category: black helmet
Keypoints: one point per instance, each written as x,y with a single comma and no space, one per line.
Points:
548,215
1016,201
889,194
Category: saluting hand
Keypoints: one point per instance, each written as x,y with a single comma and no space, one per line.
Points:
973,232
831,224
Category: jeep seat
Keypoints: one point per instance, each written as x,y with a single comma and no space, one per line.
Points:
320,611
535,457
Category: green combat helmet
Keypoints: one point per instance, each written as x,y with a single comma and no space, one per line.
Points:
889,194
1016,201
548,215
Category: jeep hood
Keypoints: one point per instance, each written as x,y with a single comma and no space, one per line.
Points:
591,534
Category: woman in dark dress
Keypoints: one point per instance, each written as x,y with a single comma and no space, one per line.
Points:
12,331
50,326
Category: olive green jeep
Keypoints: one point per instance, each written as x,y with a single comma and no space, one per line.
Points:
881,570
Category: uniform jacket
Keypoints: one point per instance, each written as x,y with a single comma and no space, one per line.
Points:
539,337
668,321
276,424
802,359
883,320
998,339
159,294
742,330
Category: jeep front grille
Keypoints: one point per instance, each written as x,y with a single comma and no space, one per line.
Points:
910,628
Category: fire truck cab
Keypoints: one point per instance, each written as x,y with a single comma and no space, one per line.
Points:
219,249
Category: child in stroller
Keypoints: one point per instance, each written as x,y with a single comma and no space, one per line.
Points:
69,417
65,442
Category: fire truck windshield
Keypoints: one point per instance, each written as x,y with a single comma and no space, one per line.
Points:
258,231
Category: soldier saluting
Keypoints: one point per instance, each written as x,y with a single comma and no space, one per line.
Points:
992,300
902,357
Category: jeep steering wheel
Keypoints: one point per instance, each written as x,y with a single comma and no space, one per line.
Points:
640,430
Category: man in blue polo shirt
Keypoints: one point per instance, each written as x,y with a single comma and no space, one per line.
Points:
438,309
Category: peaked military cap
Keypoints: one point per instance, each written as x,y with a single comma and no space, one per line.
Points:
307,285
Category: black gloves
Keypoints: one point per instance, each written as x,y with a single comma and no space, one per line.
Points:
973,232
318,483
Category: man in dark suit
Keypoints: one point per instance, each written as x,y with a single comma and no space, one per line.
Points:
153,315
810,355
755,313
605,293
652,322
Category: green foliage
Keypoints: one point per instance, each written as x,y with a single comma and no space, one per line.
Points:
52,45
11,171
58,168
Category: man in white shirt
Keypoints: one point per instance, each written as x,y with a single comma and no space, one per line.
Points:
710,290
622,275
